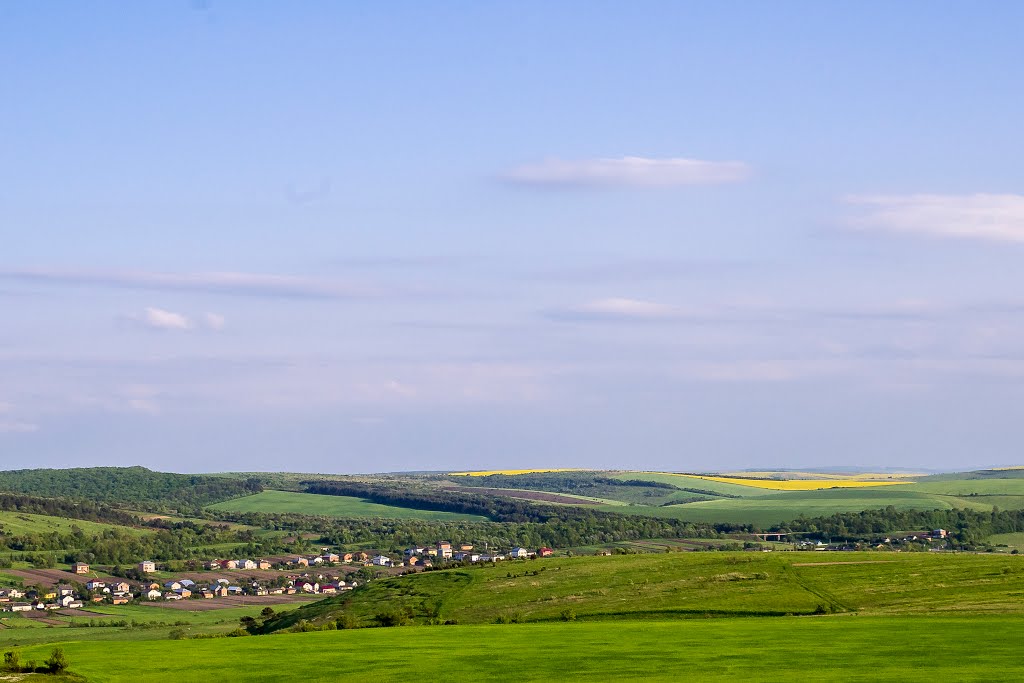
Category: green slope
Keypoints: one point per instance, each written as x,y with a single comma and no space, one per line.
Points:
331,506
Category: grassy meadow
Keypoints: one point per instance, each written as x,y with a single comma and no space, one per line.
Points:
20,523
331,506
829,648
690,585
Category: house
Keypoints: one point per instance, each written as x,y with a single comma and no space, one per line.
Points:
213,565
444,549
96,585
229,564
172,596
346,557
413,561
519,553
316,559
412,552
939,533
49,594
184,592
70,602
263,564
544,552
153,594
361,556
207,594
21,607
299,561
147,566
51,606
172,585
329,557
187,583
64,589
307,586
120,600
16,593
465,546
260,590
120,587
431,552
235,590
329,589
381,561
245,564
220,590
80,568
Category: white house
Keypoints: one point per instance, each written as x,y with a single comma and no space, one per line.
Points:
519,552
147,566
96,585
153,595
381,561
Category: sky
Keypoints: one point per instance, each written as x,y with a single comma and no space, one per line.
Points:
363,237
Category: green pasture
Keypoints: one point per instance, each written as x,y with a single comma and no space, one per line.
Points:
20,524
830,648
690,585
686,482
1012,540
331,506
783,506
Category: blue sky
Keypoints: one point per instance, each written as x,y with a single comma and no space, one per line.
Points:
348,237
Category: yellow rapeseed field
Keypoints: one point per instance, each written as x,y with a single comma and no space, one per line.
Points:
859,476
800,484
487,473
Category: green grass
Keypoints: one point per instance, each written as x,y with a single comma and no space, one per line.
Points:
783,506
19,523
687,585
686,482
1012,540
331,506
839,648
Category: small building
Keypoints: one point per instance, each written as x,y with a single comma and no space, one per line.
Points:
444,549
120,600
80,568
517,553
544,552
381,561
64,589
120,587
147,566
21,607
172,585
329,557
96,585
939,533
153,594
263,564
465,547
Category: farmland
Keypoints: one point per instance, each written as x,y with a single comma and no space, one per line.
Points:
19,523
879,648
331,506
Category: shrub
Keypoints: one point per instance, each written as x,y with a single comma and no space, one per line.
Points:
57,662
12,660
568,614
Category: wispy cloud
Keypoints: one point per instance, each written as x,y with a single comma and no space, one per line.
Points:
160,319
9,425
628,172
618,308
993,217
243,284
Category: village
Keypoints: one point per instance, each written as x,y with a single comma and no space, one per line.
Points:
293,577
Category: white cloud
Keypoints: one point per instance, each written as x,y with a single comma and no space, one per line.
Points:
242,284
14,427
159,319
620,307
629,172
993,217
214,321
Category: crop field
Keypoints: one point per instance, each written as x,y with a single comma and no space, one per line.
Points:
800,484
961,648
795,474
331,506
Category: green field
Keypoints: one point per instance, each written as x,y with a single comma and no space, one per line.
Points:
331,506
20,523
836,648
687,585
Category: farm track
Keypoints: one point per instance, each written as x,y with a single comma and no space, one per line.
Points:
54,576
821,593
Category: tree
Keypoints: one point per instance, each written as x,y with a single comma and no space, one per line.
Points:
12,660
57,662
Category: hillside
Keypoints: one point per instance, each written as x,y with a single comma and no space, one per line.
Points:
680,585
